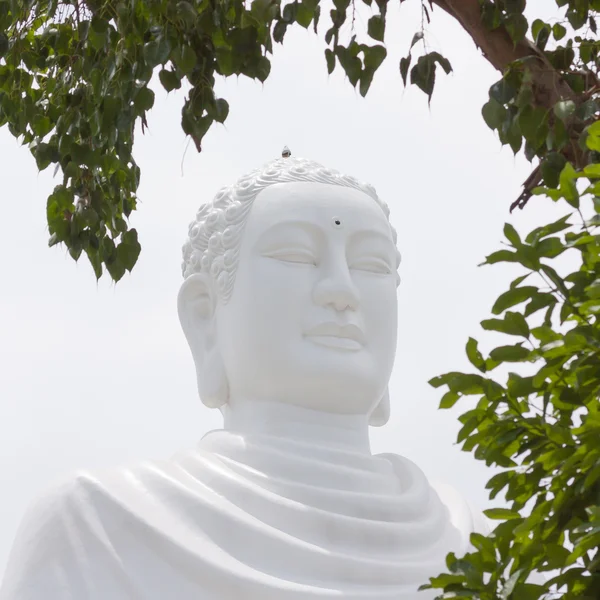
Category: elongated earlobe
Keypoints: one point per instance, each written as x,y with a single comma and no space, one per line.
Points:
196,306
381,414
213,386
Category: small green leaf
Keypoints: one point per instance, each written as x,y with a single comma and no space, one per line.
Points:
449,399
558,31
512,324
513,297
502,91
221,110
404,65
330,58
568,187
514,353
493,113
551,167
418,36
144,99
475,357
512,236
129,249
169,80
503,514
376,27
185,59
564,109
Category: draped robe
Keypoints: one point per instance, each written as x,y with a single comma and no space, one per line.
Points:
241,517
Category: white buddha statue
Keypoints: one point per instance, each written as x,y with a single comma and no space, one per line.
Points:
289,307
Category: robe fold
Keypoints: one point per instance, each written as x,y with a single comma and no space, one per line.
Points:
241,517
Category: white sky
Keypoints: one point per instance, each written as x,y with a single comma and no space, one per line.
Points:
97,375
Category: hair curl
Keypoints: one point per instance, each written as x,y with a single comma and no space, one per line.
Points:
215,235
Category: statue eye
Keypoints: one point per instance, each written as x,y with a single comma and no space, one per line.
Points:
372,265
293,255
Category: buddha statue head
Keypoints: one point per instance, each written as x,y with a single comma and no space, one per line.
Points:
290,292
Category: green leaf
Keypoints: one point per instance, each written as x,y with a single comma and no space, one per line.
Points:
514,353
404,65
374,56
512,298
144,99
41,125
502,91
493,113
169,80
449,399
558,31
418,36
475,357
185,59
129,249
503,514
221,110
304,15
512,324
423,75
564,109
517,27
533,125
512,236
376,27
330,58
501,256
568,188
551,167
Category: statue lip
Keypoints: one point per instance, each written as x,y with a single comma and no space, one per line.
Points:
347,336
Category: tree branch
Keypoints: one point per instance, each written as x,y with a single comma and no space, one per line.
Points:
499,49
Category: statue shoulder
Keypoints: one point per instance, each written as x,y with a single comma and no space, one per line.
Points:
463,515
45,514
44,537
63,531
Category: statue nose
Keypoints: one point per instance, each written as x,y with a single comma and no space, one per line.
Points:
341,295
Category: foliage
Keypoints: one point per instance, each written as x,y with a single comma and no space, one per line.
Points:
74,81
542,425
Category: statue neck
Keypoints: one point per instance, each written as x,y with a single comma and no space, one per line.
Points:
346,432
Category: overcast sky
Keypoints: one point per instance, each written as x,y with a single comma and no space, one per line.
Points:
96,374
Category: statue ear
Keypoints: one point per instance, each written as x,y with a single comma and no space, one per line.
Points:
196,304
381,413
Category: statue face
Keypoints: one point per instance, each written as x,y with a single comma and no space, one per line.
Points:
313,315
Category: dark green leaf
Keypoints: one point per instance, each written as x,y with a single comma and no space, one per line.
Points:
512,298
376,27
404,65
330,58
144,99
509,353
169,80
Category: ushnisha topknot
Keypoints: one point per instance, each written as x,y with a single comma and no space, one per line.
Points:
215,235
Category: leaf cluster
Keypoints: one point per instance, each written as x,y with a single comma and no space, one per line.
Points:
548,98
541,424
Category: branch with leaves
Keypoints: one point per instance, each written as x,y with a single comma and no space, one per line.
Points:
541,426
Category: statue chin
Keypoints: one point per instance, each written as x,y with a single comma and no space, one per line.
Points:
286,502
